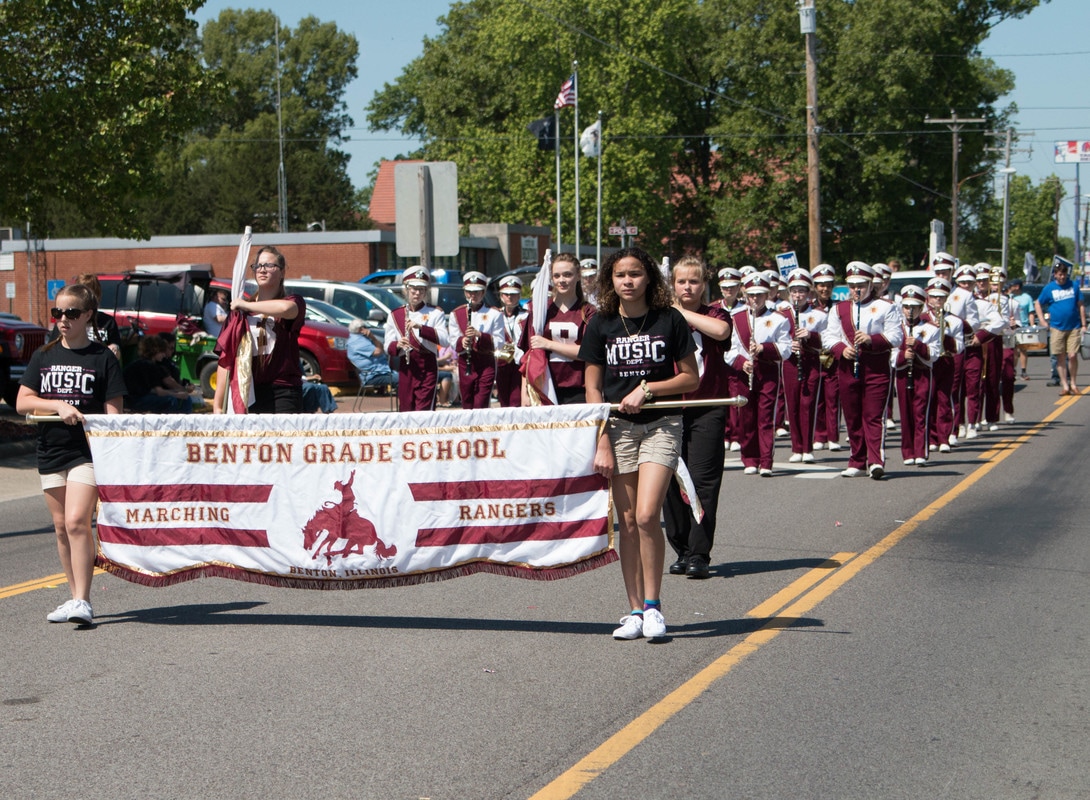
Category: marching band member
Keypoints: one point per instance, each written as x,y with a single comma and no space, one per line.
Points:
982,393
413,335
961,305
827,427
565,322
509,356
912,362
730,284
701,438
882,277
941,425
802,377
861,331
1000,372
588,277
474,331
761,341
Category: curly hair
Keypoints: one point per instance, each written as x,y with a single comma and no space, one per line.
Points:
658,293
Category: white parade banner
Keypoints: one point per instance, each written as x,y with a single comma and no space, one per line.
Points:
346,501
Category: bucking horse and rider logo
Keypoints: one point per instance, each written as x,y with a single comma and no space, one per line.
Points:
340,521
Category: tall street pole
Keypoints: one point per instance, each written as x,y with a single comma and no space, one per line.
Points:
808,26
955,124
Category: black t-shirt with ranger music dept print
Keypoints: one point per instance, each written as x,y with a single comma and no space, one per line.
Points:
637,349
86,378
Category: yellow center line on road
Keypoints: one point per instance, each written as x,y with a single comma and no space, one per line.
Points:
796,588
48,582
634,733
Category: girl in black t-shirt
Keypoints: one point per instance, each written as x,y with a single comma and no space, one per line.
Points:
70,377
638,348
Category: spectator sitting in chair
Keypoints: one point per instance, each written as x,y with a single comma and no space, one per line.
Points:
150,383
316,396
367,355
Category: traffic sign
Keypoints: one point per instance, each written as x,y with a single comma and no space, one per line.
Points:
53,288
624,230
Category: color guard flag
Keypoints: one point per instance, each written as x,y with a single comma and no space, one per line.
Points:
545,131
567,94
535,364
347,501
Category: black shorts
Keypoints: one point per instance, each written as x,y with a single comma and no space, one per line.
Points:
277,400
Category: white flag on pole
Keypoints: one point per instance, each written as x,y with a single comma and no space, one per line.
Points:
590,141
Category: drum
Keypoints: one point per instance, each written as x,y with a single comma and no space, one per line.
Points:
1031,338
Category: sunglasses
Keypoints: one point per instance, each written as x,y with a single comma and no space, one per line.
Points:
66,313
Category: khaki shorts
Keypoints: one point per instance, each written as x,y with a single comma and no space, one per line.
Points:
81,473
655,442
1064,342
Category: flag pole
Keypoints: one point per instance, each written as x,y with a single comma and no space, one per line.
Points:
598,246
556,142
575,79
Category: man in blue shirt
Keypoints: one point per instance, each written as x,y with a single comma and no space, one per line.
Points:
368,357
1066,321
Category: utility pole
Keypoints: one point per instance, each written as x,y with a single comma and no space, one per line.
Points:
955,124
1007,171
281,175
808,26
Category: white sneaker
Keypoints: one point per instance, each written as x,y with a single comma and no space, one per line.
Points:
909,462
934,447
851,472
766,473
807,458
890,424
876,471
749,471
834,446
735,447
654,626
80,613
60,613
795,458
1008,418
920,462
953,440
819,445
944,448
971,433
781,432
631,627
961,431
993,427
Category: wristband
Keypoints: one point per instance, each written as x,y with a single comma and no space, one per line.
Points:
646,391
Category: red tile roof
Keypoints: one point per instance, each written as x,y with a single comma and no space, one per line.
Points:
383,210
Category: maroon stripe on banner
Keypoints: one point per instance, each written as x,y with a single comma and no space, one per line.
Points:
508,534
491,490
185,493
174,537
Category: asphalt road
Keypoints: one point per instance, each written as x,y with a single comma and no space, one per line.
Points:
921,637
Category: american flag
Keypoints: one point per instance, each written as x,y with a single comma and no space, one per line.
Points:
567,94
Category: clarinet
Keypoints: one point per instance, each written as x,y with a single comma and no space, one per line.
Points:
467,349
752,336
855,364
798,355
910,357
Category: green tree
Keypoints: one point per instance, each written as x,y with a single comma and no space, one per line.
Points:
1033,226
93,90
225,175
705,116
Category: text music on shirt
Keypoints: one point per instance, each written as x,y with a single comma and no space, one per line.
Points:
633,351
345,452
67,379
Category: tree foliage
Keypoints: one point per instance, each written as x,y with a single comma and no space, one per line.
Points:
705,109
92,91
1033,225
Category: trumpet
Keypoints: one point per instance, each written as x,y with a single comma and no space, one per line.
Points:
506,353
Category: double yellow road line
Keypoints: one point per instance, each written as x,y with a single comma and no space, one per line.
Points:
781,610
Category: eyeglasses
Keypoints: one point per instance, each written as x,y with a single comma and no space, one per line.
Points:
264,267
66,313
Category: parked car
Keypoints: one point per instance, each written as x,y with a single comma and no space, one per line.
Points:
18,340
446,296
150,302
524,274
369,302
389,277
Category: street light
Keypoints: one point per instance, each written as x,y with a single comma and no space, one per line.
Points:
1007,172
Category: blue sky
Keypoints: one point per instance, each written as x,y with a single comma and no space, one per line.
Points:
1052,84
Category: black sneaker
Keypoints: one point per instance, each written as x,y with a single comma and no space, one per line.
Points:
679,567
